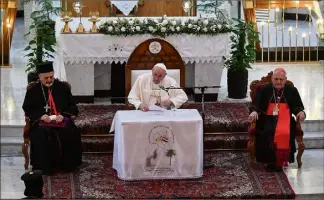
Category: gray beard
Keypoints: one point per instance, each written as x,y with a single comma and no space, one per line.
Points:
48,85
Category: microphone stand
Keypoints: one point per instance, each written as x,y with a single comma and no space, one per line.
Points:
202,90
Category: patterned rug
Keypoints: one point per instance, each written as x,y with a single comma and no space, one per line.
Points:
220,117
231,178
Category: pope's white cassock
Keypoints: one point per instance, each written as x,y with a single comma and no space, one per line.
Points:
145,91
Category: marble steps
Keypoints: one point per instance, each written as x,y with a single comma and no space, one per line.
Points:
17,130
11,141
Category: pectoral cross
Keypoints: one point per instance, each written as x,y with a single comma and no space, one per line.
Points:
46,108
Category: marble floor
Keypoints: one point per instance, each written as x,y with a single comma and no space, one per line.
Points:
307,182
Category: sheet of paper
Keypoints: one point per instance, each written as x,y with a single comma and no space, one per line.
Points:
52,117
156,108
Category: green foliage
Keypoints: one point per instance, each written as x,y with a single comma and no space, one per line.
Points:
41,46
243,49
164,27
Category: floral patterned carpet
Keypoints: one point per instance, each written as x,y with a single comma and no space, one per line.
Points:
230,178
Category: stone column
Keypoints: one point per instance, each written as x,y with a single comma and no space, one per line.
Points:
208,74
81,78
102,80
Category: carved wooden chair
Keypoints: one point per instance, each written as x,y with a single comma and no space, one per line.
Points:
254,87
25,145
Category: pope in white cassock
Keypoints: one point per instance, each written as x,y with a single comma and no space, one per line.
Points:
147,90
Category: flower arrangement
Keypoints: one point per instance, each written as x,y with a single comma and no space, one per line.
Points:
163,27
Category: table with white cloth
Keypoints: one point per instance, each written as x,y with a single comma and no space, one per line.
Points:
158,144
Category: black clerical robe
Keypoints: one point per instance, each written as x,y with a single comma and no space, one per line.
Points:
265,150
52,148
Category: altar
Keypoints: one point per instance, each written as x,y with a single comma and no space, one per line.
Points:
86,60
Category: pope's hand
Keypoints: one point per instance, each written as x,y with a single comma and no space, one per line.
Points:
59,118
301,116
166,103
253,116
46,118
143,107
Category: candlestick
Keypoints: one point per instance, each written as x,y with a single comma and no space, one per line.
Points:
276,21
269,32
309,31
2,47
297,6
262,24
304,35
290,30
283,30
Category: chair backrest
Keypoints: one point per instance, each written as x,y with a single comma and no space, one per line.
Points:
173,73
257,84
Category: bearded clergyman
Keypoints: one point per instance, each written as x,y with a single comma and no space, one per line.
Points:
55,144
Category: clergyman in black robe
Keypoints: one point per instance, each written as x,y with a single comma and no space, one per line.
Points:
275,130
55,143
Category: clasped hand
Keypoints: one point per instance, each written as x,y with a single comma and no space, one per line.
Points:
47,119
253,116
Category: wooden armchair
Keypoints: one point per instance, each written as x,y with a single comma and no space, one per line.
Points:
254,87
25,145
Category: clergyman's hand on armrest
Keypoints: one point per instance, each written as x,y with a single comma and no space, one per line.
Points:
253,116
301,116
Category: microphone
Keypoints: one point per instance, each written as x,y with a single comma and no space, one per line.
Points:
165,89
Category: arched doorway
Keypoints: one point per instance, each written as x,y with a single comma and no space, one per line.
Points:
150,52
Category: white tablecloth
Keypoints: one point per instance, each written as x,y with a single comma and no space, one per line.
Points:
158,145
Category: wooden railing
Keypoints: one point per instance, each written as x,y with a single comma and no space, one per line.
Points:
7,26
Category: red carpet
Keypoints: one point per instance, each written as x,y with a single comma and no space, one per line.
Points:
231,178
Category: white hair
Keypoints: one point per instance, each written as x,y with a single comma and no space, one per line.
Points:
161,65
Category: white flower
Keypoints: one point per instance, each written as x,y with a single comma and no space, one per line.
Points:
123,29
138,28
205,22
219,26
172,28
133,28
189,25
150,28
205,29
165,22
198,28
115,22
178,28
156,21
130,22
145,21
163,29
110,28
174,22
183,23
228,26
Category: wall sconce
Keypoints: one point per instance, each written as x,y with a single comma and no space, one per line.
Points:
186,5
